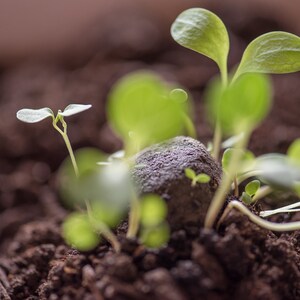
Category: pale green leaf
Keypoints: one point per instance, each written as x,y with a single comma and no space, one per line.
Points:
79,233
155,237
189,173
246,198
202,178
73,109
153,210
275,52
34,115
252,187
202,31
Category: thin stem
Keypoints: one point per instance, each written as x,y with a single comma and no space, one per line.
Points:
257,220
217,142
98,225
103,229
289,207
236,186
134,217
221,193
262,192
190,128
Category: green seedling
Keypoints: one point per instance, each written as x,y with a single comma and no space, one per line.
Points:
142,109
200,178
84,223
239,105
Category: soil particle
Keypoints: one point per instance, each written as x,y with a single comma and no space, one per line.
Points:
160,170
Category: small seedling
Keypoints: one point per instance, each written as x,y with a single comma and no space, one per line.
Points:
200,178
239,105
80,229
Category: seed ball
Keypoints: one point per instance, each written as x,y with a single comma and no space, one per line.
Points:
160,169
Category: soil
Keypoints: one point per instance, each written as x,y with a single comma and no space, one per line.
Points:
239,261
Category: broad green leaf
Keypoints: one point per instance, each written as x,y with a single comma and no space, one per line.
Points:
142,112
79,233
189,173
294,152
200,30
73,109
34,115
155,237
202,178
153,210
252,187
275,52
241,106
246,198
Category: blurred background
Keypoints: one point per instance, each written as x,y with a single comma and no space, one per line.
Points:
53,53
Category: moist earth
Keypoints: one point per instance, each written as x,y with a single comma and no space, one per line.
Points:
239,261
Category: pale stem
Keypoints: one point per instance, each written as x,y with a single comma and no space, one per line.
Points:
217,141
224,188
257,220
99,226
262,192
288,208
134,217
236,186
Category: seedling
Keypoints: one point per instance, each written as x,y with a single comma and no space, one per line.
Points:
142,109
200,178
239,105
79,228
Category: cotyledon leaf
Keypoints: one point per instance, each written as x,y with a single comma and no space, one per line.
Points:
73,109
34,115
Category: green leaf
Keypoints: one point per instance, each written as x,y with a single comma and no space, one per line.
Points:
202,31
34,115
275,52
242,105
73,109
252,187
189,173
155,237
79,233
246,198
294,152
202,178
153,210
142,111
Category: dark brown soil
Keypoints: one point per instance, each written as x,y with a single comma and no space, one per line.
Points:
240,261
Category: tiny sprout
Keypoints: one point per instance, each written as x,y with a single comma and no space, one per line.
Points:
36,115
250,191
200,178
